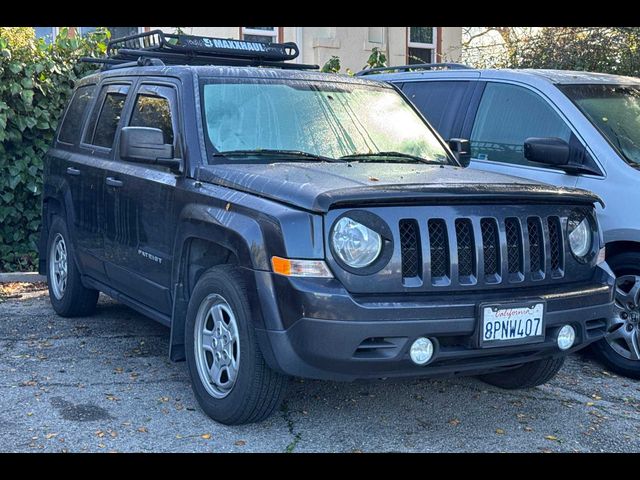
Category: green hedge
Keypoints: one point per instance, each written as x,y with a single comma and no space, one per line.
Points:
36,81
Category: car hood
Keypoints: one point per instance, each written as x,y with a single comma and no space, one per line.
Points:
320,186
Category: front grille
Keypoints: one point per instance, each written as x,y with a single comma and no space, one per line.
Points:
410,245
514,245
466,247
503,258
490,246
555,243
536,247
439,246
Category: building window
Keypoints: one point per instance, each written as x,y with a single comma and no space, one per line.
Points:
260,34
47,33
116,32
376,34
421,45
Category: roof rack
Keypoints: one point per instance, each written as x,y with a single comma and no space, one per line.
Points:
417,66
158,48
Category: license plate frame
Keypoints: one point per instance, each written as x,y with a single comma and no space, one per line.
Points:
531,304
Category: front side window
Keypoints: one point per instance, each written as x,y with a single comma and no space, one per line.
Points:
72,123
421,45
329,119
154,112
615,111
507,116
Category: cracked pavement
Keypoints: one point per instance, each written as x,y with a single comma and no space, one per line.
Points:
105,383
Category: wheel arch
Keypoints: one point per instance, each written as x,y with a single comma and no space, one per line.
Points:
202,244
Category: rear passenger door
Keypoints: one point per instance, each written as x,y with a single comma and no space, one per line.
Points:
506,116
96,150
139,205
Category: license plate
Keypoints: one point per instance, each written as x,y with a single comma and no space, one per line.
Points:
510,324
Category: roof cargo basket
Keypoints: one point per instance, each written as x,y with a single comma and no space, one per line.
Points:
179,49
417,66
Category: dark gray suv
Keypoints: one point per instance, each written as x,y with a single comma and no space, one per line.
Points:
287,222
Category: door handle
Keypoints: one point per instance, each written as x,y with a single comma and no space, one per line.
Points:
112,182
73,171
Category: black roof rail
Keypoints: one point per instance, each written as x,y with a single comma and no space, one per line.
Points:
156,47
417,66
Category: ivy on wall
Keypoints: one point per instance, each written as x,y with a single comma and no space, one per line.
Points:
36,80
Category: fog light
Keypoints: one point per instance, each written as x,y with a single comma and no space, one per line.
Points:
421,351
566,337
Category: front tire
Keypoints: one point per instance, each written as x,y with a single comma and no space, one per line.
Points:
528,375
230,378
68,296
620,349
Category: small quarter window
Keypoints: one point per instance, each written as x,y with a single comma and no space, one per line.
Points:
72,123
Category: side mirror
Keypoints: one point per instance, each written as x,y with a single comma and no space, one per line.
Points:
146,145
552,151
461,150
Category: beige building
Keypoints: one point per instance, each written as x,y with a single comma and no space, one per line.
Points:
353,45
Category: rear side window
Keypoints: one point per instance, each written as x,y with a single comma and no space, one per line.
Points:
105,117
72,123
442,103
155,112
507,116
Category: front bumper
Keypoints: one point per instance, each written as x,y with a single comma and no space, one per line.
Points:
315,329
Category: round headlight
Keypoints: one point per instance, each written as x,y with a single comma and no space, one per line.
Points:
356,245
580,236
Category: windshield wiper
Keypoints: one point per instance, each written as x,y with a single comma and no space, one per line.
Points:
376,155
276,152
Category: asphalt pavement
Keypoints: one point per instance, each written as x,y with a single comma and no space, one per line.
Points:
104,383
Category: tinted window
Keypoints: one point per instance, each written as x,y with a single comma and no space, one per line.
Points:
155,112
440,103
508,115
72,123
108,119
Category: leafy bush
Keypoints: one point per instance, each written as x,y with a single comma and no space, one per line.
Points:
36,81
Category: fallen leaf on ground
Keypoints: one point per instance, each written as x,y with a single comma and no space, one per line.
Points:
50,435
590,404
143,429
374,179
500,431
100,433
454,421
551,437
240,443
206,436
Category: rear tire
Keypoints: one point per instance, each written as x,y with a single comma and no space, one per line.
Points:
618,356
68,296
229,376
528,375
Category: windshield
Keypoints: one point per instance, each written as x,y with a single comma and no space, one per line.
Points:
247,118
615,111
